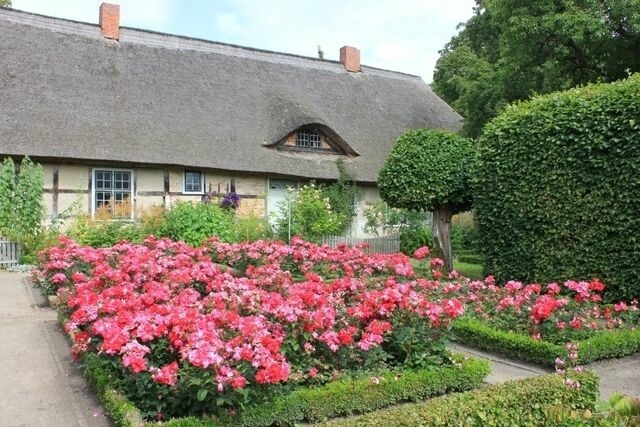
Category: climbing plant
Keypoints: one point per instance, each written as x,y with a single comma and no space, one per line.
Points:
21,207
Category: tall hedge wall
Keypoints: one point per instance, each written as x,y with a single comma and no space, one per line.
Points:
558,194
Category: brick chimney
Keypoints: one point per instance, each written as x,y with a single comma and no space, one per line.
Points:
110,20
350,58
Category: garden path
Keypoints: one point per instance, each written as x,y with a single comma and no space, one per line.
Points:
616,375
39,384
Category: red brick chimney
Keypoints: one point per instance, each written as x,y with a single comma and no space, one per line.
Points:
350,58
110,20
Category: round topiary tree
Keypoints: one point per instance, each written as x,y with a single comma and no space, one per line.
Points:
559,194
431,170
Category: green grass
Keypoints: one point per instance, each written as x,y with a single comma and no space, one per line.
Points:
472,271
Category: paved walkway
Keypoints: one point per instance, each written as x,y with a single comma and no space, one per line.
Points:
39,384
616,375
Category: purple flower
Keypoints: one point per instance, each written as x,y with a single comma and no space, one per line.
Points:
231,200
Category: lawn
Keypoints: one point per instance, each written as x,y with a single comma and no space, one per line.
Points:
472,271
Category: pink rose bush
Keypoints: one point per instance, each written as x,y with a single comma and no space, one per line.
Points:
221,318
209,329
556,312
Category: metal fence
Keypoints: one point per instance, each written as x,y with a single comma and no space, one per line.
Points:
9,253
376,245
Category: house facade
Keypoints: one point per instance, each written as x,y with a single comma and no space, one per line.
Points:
124,119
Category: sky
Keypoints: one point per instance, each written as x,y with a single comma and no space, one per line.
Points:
400,35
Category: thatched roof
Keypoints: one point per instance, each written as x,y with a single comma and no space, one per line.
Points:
151,98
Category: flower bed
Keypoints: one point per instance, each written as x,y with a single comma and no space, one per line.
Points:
216,329
532,322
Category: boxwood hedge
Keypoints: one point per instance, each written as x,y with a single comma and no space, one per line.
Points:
514,403
339,398
605,345
558,195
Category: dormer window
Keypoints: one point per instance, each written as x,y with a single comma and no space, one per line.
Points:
308,138
313,139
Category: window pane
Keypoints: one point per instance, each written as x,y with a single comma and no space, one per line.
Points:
103,180
121,180
193,181
102,200
112,194
308,138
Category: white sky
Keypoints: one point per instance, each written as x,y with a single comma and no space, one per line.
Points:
401,35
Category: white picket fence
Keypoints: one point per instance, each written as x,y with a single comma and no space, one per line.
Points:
376,245
9,253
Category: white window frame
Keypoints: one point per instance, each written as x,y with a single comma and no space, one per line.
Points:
311,142
184,182
94,188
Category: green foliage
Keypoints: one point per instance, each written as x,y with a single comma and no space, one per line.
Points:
361,395
5,3
559,195
339,398
29,209
427,169
619,411
508,51
102,234
311,214
515,403
431,170
21,208
195,222
414,237
343,195
119,408
7,196
465,239
606,345
250,228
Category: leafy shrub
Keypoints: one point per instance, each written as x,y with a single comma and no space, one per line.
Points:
514,403
102,234
309,215
558,195
250,228
195,222
21,207
414,237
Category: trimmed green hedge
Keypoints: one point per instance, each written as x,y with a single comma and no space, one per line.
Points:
515,403
339,398
607,345
558,196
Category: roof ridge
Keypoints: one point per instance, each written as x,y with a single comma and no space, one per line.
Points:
227,48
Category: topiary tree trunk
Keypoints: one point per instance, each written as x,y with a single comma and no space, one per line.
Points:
442,234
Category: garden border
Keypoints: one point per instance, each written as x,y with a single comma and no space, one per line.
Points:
516,402
608,345
339,398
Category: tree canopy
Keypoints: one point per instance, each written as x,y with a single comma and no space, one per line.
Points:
5,3
510,50
430,170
